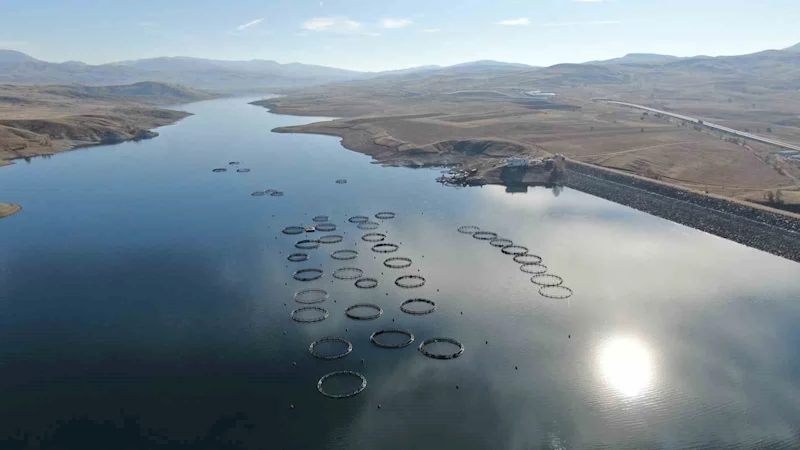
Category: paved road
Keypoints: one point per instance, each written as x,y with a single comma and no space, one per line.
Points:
750,136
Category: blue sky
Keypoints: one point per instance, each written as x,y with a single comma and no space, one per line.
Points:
384,34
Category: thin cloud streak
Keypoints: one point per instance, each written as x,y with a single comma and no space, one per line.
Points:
250,24
396,23
431,30
587,23
520,22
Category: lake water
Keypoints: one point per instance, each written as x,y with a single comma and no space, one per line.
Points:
145,300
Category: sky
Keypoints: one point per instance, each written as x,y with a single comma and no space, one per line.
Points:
374,35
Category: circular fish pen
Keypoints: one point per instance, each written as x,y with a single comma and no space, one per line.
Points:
276,194
349,311
390,331
307,244
468,229
298,315
418,312
310,274
344,255
292,230
514,250
546,279
220,169
368,225
234,163
501,242
313,348
373,237
484,235
330,239
270,191
399,262
320,219
243,170
385,215
385,247
258,193
358,219
527,258
298,257
342,181
429,354
347,273
310,296
410,281
325,227
346,394
366,283
557,292
536,269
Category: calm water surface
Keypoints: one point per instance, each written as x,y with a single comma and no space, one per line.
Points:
145,301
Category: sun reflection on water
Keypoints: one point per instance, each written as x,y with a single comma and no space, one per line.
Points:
626,364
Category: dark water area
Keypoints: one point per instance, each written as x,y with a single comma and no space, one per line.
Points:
145,303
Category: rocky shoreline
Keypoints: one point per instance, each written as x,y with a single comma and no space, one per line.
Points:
761,229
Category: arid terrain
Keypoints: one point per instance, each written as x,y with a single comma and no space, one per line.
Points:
476,119
43,120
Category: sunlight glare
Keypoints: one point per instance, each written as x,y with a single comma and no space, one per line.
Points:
626,364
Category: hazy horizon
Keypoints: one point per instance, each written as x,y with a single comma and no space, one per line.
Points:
361,35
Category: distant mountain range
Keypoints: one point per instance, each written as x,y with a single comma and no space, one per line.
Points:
19,68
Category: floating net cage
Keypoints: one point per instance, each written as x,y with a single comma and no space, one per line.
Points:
347,273
309,274
243,170
410,306
366,283
546,279
258,193
368,225
270,191
430,349
331,239
341,181
501,242
468,229
514,250
410,281
358,219
557,292
298,257
484,235
399,262
527,258
352,312
533,268
293,230
361,384
320,219
220,169
234,163
309,314
385,215
319,348
344,255
276,194
307,244
310,296
388,335
325,227
373,237
385,247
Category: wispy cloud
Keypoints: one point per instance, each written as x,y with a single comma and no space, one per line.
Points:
396,23
339,25
520,22
591,1
252,23
587,23
431,30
